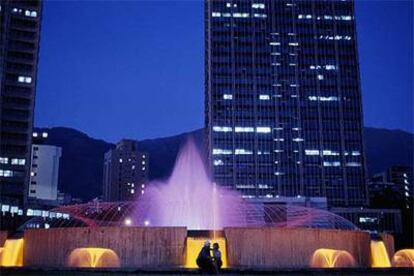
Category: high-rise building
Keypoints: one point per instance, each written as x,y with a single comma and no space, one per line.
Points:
283,99
19,46
125,172
44,173
399,178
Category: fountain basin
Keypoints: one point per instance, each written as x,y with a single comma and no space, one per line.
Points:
154,247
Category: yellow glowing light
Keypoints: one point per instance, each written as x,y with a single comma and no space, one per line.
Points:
403,258
12,253
194,245
379,255
93,257
329,258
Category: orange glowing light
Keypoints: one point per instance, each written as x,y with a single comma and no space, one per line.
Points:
194,245
12,253
329,258
93,257
379,255
403,258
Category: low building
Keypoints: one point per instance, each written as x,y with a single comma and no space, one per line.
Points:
44,171
374,220
125,172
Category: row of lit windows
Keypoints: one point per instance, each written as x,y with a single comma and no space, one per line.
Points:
14,161
326,17
242,129
330,152
24,79
26,12
238,15
6,173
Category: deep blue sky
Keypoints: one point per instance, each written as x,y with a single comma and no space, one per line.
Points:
135,68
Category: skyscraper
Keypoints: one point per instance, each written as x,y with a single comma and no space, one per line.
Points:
19,47
125,172
283,99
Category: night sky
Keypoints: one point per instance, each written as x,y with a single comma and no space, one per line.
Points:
136,68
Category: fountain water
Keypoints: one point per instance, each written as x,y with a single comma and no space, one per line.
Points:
93,257
379,255
189,198
330,258
403,258
12,253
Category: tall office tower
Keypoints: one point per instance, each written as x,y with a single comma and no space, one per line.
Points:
125,172
19,46
283,99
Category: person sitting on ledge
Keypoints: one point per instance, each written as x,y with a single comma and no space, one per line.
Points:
217,256
204,260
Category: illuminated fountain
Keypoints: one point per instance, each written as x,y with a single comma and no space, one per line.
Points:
93,257
189,198
403,258
330,258
379,255
12,253
190,208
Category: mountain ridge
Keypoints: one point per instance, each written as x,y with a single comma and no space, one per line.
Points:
81,164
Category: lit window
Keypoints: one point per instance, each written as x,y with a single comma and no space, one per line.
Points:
260,15
240,15
312,152
353,164
274,43
356,153
45,135
258,6
330,153
218,162
243,152
320,77
297,140
264,97
216,14
295,44
4,160
17,161
6,173
263,130
222,151
24,79
331,163
323,99
228,96
244,129
222,129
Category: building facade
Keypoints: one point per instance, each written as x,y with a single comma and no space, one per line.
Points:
125,172
44,173
283,101
19,46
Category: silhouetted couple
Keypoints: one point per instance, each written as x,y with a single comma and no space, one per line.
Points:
207,262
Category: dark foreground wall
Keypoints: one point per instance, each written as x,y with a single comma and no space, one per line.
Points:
136,246
291,248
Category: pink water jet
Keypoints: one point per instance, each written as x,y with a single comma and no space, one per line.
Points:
189,198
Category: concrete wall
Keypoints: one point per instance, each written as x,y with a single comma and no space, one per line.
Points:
136,247
291,248
3,238
389,244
